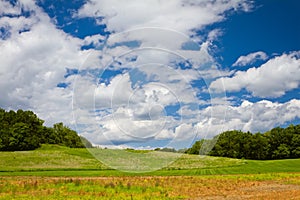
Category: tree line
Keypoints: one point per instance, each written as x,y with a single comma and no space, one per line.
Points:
278,143
23,130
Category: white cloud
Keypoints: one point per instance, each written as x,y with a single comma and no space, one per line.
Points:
116,93
8,9
185,131
272,79
176,14
34,61
155,45
120,127
95,40
251,58
214,34
254,117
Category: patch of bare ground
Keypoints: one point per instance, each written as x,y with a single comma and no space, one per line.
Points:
238,190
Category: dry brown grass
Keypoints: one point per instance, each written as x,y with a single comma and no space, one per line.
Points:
154,187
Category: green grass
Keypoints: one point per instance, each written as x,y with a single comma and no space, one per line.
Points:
48,157
53,160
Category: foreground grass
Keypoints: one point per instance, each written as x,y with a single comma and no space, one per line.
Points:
259,186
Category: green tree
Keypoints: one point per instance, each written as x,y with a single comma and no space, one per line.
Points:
196,147
278,143
279,137
23,138
230,144
23,130
295,142
283,151
67,137
259,147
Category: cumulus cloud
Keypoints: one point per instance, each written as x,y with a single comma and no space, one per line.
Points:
251,58
249,116
155,40
178,14
272,79
33,64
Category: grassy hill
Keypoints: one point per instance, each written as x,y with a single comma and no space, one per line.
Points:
53,160
48,157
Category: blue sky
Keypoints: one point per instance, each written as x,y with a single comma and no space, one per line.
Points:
152,73
272,27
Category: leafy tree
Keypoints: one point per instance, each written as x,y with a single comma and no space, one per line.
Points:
259,147
23,130
196,147
279,137
295,142
278,143
201,147
283,151
23,137
19,130
67,137
229,144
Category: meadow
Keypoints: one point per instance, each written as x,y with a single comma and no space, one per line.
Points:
55,172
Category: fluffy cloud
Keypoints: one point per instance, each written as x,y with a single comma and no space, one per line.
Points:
32,63
251,58
161,25
9,9
139,99
272,79
122,114
255,117
248,116
178,15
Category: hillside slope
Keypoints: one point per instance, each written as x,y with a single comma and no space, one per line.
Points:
54,160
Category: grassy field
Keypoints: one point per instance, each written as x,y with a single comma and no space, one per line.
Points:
55,172
52,157
52,160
